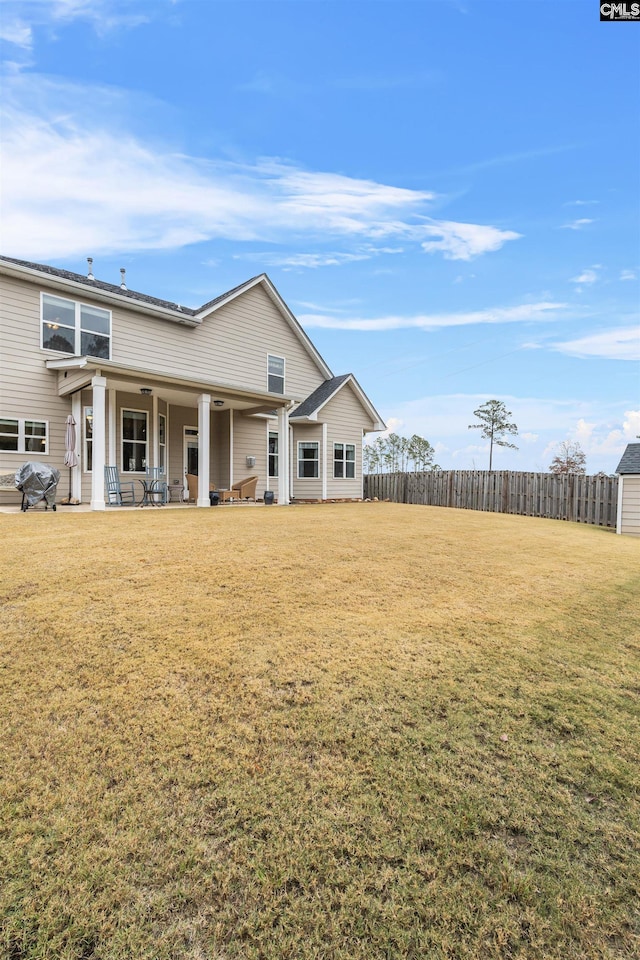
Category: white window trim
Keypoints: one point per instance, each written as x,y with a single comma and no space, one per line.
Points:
317,443
86,440
162,446
274,356
78,304
345,444
270,430
21,421
123,469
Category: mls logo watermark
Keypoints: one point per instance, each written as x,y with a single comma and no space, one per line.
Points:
620,11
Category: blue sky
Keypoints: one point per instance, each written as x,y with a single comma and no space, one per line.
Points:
445,192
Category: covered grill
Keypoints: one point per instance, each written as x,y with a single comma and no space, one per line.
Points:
37,481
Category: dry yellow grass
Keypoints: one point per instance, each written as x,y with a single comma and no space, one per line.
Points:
344,732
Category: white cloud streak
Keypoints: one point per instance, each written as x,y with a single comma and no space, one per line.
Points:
71,186
622,343
16,32
519,314
579,224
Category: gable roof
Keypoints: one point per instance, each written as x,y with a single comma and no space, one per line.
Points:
313,404
630,462
165,309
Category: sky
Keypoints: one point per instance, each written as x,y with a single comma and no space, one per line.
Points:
446,193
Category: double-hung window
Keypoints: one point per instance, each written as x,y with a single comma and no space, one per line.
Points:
275,374
307,459
162,443
24,436
344,461
134,441
72,327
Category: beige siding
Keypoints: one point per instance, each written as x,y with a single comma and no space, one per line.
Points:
229,347
631,506
346,419
27,390
307,489
250,440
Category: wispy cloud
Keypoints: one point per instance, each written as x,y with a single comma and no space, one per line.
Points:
72,185
577,224
628,275
528,312
623,343
580,203
16,32
587,277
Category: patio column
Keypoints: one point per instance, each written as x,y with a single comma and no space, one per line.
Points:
99,386
283,456
204,412
76,472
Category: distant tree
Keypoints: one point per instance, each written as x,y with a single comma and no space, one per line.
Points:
494,425
570,458
421,454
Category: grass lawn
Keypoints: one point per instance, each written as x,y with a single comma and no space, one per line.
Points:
340,732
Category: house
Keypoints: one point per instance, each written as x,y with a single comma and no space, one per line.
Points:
230,389
629,491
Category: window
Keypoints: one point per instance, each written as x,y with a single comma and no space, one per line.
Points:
77,328
275,374
307,459
134,441
23,436
273,454
162,443
344,461
87,436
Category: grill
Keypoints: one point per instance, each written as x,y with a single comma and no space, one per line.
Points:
37,482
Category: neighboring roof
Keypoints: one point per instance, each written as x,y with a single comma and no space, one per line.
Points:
166,308
310,408
630,462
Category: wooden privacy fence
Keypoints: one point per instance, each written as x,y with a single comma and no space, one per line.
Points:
570,497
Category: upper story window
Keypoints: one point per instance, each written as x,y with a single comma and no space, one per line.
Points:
23,436
275,374
72,327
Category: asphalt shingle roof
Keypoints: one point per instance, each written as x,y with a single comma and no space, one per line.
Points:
630,462
116,288
319,396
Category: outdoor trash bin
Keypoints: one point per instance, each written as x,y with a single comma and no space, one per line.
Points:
214,498
268,497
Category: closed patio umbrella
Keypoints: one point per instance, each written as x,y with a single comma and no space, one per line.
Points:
70,456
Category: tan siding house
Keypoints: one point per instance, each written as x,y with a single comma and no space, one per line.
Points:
232,389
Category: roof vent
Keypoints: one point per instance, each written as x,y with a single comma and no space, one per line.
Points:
90,275
123,285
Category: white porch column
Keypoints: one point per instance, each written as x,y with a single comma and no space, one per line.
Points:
231,447
111,413
99,385
204,426
324,460
283,456
76,472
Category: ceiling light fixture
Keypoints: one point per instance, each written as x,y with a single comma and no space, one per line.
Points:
146,391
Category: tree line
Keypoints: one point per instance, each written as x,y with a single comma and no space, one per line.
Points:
397,454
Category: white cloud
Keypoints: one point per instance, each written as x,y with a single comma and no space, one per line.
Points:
104,15
628,275
577,224
464,241
72,185
16,32
622,343
586,277
580,203
526,312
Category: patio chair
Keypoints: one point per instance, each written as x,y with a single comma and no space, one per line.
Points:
192,484
118,493
243,489
160,487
